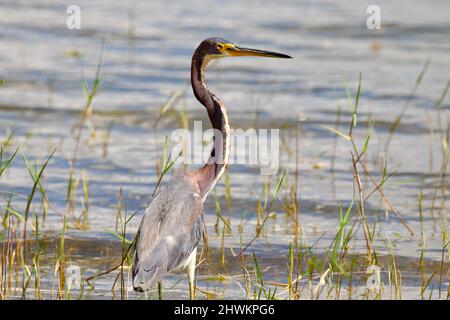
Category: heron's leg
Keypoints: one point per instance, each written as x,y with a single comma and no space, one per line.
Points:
159,290
191,273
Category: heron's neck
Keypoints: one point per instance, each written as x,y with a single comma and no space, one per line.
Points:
207,176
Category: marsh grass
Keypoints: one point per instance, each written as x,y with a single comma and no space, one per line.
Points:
327,268
394,126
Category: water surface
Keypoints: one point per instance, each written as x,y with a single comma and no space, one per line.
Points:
146,59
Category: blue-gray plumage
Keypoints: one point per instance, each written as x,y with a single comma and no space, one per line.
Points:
173,223
175,218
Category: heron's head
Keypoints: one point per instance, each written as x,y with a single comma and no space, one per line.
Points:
219,48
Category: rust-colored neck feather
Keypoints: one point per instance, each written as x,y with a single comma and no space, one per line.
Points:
206,177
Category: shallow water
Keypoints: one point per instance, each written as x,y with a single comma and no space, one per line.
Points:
146,58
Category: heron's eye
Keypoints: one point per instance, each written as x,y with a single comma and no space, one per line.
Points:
219,46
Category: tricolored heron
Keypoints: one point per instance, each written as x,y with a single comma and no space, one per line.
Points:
173,223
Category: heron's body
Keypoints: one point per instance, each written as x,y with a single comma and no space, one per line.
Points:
169,232
173,223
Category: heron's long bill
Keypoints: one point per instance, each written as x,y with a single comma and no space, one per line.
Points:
238,51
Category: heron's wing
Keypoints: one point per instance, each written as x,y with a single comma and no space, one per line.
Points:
170,229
